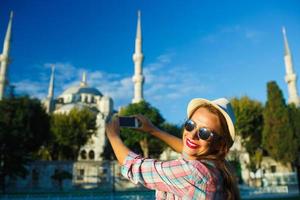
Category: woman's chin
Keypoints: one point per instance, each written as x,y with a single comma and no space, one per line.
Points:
190,153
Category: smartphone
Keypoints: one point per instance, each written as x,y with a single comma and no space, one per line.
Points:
129,122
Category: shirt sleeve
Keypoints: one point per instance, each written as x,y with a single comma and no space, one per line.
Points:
175,176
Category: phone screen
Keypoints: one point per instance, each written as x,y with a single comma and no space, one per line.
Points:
128,122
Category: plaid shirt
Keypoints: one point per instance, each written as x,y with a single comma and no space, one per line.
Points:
176,179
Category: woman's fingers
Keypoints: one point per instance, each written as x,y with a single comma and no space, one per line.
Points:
112,127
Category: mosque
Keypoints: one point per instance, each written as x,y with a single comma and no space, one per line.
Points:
84,96
77,96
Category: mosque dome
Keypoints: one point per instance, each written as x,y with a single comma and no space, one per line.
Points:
80,93
83,88
77,90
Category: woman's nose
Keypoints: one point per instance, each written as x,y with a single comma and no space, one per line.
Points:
194,134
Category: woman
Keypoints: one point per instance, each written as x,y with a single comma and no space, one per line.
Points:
201,172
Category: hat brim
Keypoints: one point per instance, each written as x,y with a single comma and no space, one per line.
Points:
196,103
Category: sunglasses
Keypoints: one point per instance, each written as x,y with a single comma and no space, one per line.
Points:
203,133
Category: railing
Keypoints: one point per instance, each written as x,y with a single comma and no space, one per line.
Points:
109,196
102,180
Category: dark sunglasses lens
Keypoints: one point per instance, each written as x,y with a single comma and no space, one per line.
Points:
204,133
189,125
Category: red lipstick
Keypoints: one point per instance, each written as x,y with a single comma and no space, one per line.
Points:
191,144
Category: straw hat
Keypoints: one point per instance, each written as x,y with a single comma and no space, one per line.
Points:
222,104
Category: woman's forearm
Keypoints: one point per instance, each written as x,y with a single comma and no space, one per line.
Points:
174,142
113,134
121,151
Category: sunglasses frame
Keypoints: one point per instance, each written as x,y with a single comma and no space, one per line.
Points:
202,133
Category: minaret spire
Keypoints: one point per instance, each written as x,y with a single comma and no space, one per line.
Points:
286,44
83,82
139,28
290,77
51,84
5,57
138,57
49,101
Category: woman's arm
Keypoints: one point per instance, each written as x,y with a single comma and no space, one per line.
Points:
174,142
113,133
185,179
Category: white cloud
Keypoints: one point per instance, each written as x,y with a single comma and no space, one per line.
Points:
28,87
164,82
63,71
165,58
253,35
243,32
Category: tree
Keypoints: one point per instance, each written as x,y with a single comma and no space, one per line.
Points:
249,123
24,128
172,129
278,138
294,113
70,132
140,141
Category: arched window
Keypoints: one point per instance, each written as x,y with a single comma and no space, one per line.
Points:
60,100
91,155
83,155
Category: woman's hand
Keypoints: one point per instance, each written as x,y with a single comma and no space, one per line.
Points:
146,124
113,128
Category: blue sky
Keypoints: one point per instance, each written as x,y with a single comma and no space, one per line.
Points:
206,49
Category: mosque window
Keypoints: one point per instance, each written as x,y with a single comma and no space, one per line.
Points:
91,155
83,154
80,174
60,100
273,169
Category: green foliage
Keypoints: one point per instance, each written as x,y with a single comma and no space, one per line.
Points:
70,132
278,138
294,114
249,123
24,128
236,168
60,175
255,160
136,140
172,129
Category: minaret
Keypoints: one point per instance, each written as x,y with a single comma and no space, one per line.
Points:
49,100
138,78
83,82
4,57
290,77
